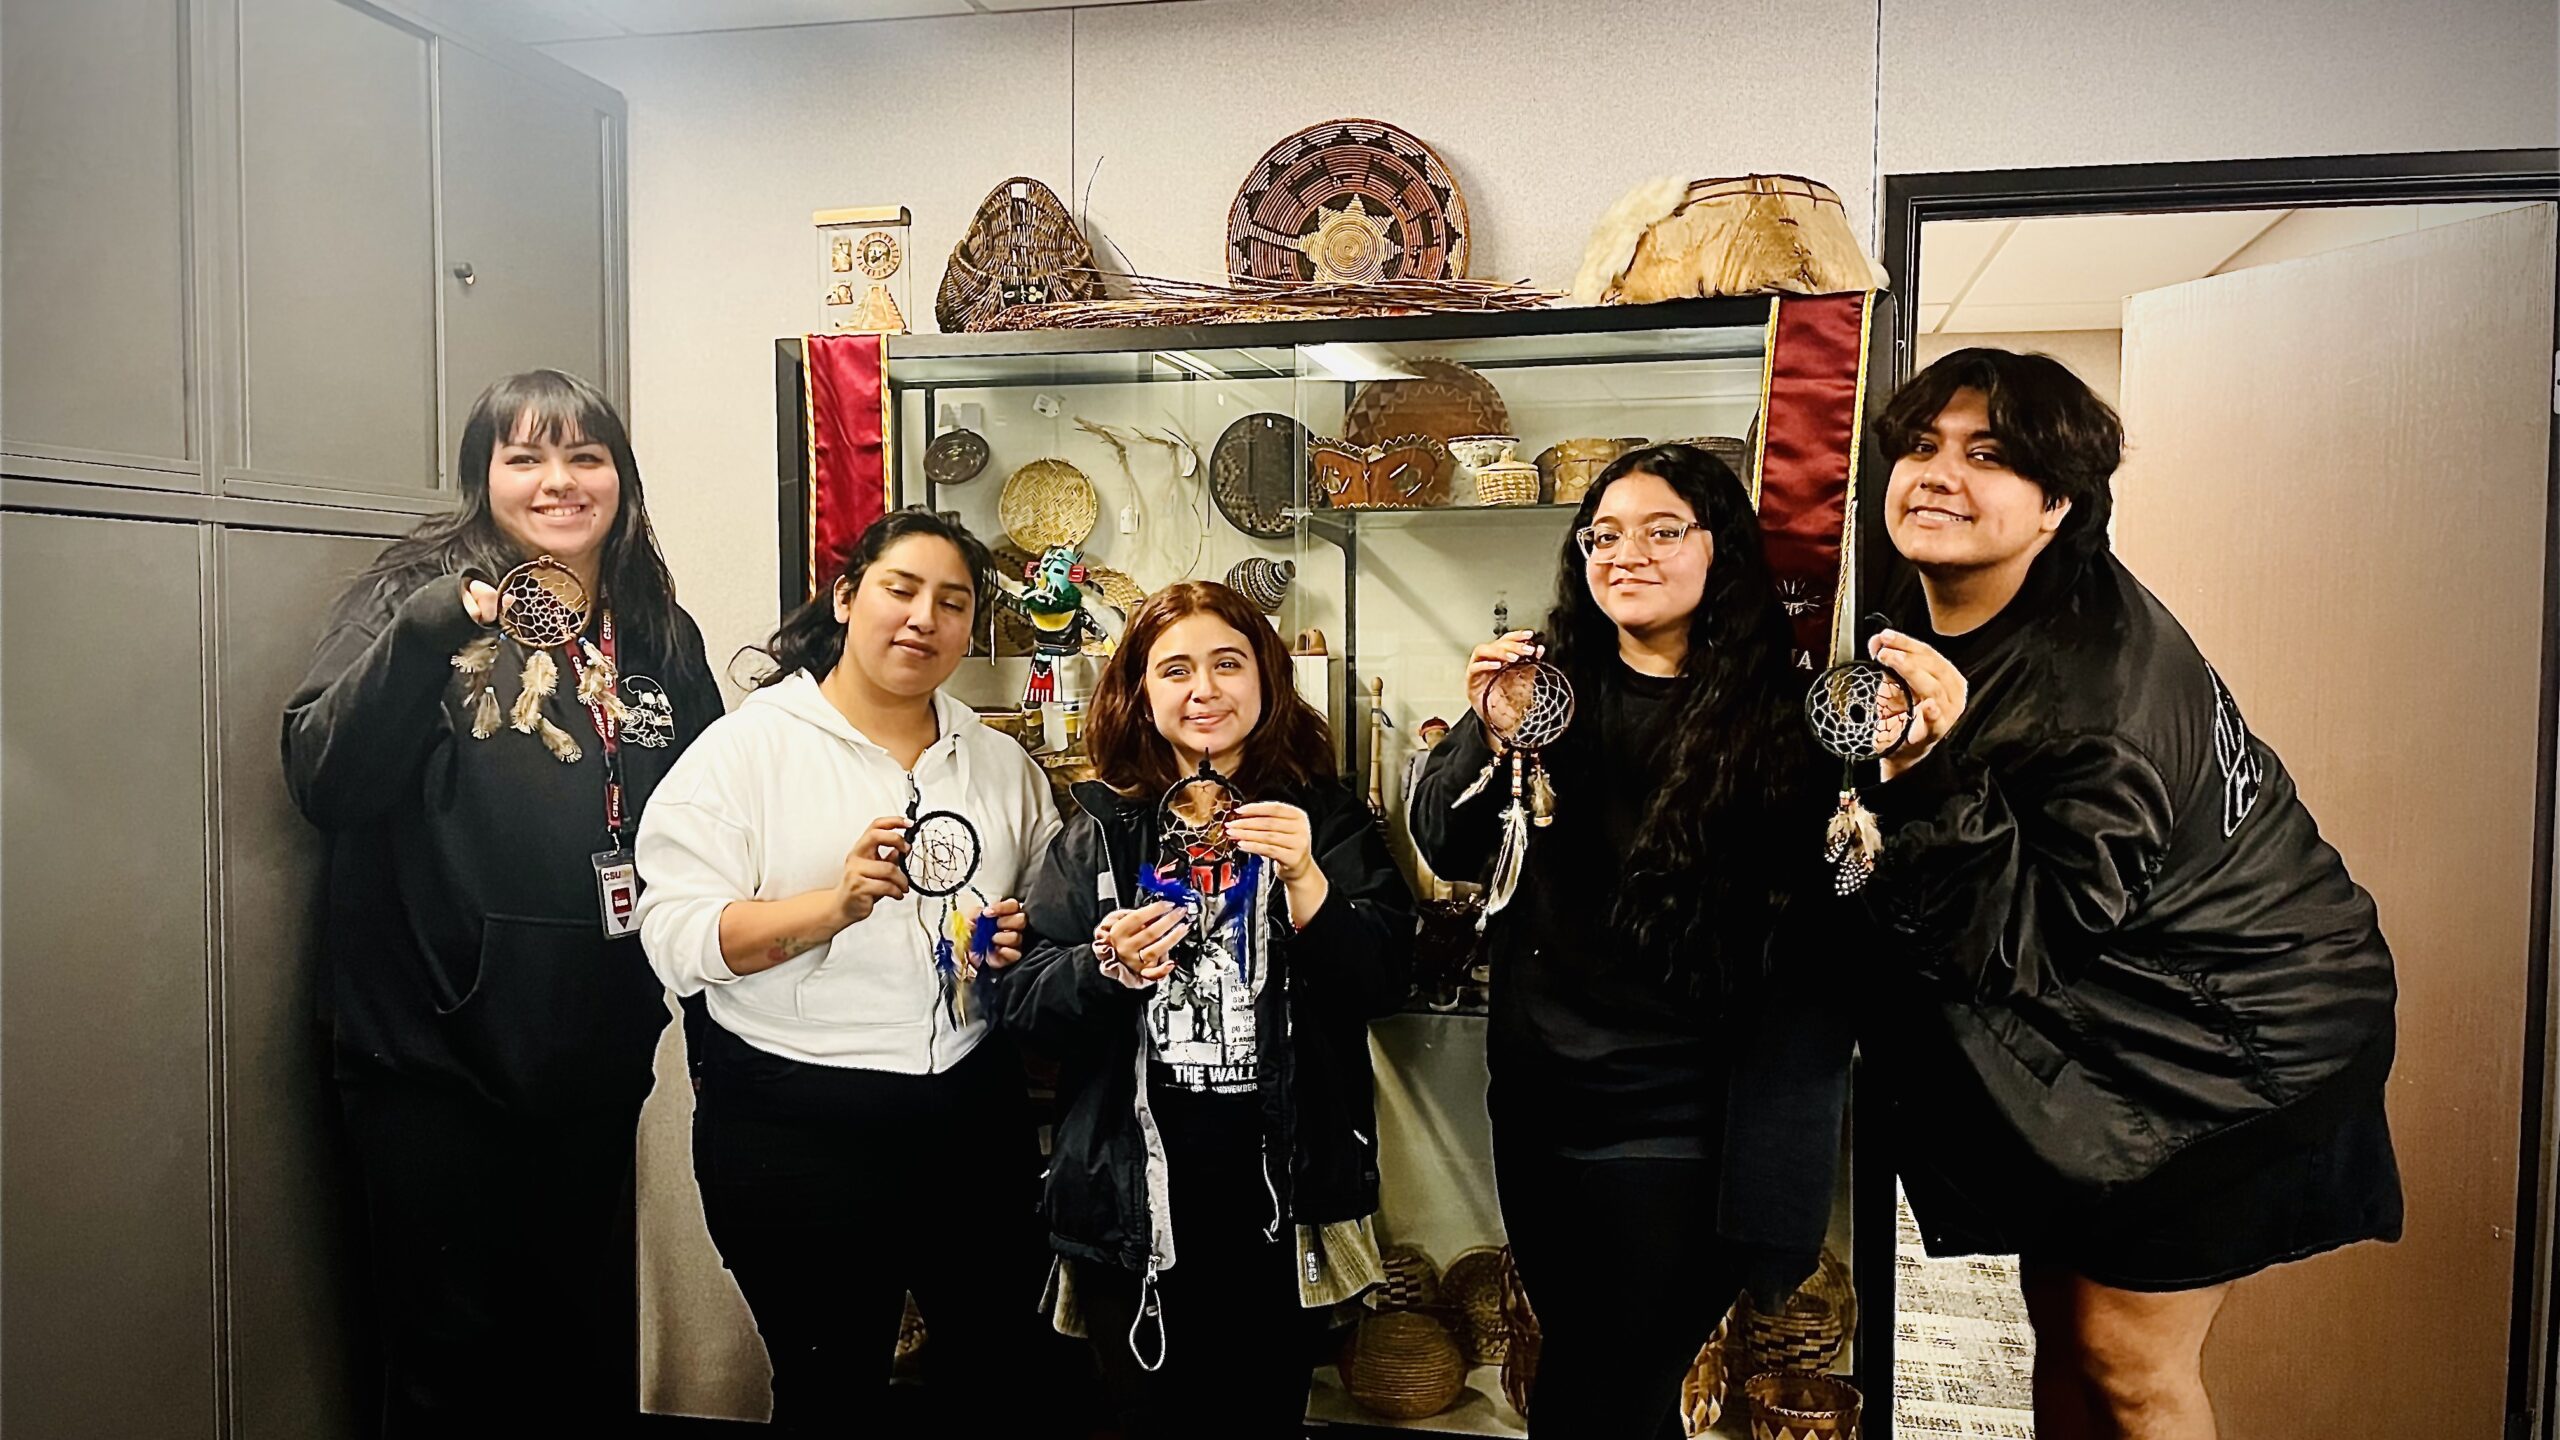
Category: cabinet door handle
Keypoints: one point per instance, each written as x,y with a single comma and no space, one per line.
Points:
463,273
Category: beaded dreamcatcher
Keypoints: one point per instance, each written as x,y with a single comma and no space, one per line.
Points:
941,864
1860,711
1526,708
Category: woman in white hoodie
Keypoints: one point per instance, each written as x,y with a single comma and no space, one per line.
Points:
854,1137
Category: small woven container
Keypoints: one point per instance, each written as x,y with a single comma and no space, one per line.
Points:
1808,1334
1802,1407
910,1339
1471,1294
1568,467
1412,1283
1507,482
1021,248
1405,1366
1263,580
1707,1388
1048,502
1520,1356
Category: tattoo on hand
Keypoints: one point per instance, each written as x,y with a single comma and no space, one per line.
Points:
792,945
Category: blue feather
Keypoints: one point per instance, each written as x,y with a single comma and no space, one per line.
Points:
982,935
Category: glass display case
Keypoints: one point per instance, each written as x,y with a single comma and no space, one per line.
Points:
1353,473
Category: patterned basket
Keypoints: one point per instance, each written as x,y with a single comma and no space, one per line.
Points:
1405,1366
1471,1293
1806,1336
1507,482
910,1346
1569,466
1021,248
1802,1407
1048,502
1707,1388
1412,1283
1520,1356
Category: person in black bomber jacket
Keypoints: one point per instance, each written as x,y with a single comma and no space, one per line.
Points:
2148,1014
1214,1175
491,1040
1669,1043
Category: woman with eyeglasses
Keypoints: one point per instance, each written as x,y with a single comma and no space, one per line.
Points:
1667,1075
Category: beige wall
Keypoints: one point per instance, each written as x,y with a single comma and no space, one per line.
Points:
2096,356
1546,109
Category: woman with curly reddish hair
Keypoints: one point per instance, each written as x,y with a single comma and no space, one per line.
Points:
1205,978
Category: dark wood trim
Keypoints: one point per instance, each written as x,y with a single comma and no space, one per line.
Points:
2435,178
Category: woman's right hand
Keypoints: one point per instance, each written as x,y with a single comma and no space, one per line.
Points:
1143,940
480,602
871,869
1497,655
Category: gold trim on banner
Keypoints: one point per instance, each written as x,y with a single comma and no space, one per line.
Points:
1760,429
889,434
809,428
1844,604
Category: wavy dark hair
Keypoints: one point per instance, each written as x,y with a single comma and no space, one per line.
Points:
1737,769
810,639
553,406
1290,745
2052,428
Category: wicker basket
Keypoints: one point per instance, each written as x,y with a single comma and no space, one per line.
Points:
1707,1388
1263,580
1412,1283
1520,1356
1048,502
1808,1334
1569,466
1802,1407
1021,248
910,1348
1471,1294
1507,482
1405,1366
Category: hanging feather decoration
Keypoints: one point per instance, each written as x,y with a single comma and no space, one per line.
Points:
541,676
475,660
484,715
1853,842
562,745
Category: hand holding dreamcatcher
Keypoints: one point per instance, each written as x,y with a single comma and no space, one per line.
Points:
539,604
1192,823
941,863
1526,706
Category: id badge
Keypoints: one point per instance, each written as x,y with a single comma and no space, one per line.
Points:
617,892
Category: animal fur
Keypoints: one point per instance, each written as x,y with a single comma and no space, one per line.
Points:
1613,242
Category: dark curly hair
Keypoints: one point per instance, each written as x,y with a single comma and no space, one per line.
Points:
1707,881
2052,428
811,638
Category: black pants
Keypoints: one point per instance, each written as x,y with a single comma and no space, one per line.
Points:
833,1192
1239,1350
1622,1266
504,1276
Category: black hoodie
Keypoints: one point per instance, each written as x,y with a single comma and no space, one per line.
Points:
462,934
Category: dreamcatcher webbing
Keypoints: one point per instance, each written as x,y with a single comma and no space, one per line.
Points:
541,604
1526,707
1860,711
941,864
1193,817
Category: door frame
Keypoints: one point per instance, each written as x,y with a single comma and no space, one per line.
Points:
2432,178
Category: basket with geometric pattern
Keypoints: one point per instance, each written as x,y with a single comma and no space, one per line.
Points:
1807,1335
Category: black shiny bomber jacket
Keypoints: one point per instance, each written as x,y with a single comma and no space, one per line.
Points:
2124,914
1351,964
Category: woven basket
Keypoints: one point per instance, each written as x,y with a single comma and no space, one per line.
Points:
1507,482
1409,472
1405,1366
1520,1356
1808,1334
1471,1294
1048,502
1569,466
1707,1388
1412,1283
910,1339
1802,1407
1263,580
1021,248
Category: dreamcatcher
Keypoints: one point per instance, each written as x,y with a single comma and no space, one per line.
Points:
1860,711
1193,819
942,862
1526,708
541,603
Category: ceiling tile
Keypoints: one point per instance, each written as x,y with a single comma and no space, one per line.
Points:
1930,315
2078,259
1951,251
1970,318
676,17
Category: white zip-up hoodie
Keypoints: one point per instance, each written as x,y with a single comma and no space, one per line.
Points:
764,807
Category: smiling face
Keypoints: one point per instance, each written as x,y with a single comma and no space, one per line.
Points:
1202,690
1647,584
1954,506
907,616
554,496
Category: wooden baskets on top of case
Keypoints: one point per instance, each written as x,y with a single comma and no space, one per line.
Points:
1021,248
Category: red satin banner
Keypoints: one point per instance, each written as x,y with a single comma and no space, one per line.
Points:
1812,406
848,445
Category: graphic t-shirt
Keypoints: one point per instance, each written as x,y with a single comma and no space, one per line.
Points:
1200,1019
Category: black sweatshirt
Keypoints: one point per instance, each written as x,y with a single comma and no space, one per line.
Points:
1592,1054
462,936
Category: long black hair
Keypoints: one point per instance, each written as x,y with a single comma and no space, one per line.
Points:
1697,898
553,406
811,638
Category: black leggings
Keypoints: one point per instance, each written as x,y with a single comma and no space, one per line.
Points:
832,1192
1623,1268
504,1277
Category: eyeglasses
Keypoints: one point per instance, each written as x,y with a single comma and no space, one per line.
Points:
1608,542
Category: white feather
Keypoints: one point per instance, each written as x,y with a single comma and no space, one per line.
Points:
1613,242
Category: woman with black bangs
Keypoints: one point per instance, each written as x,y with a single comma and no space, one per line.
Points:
1667,1070
492,1020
